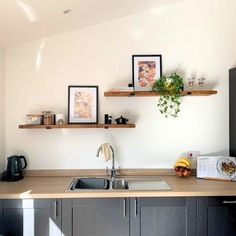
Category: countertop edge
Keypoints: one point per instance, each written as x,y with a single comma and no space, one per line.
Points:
115,195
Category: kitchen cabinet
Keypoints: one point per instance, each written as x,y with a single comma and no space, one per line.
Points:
134,217
163,216
1,218
216,216
97,217
29,217
150,216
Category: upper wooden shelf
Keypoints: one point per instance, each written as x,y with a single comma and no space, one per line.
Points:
151,93
76,126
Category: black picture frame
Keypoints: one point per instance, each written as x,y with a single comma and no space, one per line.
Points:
82,104
145,70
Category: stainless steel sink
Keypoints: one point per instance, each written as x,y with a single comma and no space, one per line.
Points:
119,184
135,183
89,183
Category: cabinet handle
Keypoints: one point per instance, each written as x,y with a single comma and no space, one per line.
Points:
55,209
229,202
124,208
135,208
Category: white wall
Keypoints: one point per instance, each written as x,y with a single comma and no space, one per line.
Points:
2,109
196,37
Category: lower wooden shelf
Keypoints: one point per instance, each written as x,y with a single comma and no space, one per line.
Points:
76,126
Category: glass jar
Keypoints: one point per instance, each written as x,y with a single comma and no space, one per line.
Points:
48,118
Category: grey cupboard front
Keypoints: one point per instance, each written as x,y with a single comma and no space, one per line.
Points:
95,217
159,216
31,217
129,216
163,216
1,224
216,216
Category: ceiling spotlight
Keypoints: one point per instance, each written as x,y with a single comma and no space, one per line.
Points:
67,11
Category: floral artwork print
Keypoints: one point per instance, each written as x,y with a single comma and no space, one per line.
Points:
146,69
83,105
146,73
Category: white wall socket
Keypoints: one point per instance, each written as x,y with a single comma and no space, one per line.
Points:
195,154
192,155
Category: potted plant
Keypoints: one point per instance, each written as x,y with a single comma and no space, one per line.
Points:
169,89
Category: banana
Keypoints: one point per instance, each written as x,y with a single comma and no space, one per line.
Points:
180,164
184,159
183,162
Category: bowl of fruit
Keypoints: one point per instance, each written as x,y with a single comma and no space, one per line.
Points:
183,167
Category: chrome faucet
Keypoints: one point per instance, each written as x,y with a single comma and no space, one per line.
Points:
113,171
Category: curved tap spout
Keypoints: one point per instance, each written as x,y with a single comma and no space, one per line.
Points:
113,170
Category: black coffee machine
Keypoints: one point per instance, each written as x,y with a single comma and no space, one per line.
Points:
14,168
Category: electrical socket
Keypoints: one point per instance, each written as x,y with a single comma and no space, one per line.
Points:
192,155
195,154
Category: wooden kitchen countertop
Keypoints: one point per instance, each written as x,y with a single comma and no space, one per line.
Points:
55,187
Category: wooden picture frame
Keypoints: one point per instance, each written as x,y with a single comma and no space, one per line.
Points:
82,104
146,69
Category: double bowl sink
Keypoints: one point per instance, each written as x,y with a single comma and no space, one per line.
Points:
103,183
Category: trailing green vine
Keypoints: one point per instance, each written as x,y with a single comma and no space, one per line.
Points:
169,89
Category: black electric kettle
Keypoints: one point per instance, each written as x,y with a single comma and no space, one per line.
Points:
14,168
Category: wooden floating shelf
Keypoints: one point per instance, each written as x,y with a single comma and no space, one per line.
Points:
76,126
151,93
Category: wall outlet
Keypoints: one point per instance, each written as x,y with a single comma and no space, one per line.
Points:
192,155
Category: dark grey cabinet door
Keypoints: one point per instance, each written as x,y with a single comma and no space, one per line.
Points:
95,217
216,216
163,216
1,233
30,217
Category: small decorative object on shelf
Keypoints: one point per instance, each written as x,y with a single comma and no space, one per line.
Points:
170,89
201,82
34,119
60,119
121,120
107,119
48,118
191,82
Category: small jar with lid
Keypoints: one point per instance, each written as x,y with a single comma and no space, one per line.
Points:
34,119
48,118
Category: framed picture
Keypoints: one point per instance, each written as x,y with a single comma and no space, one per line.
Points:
146,69
83,104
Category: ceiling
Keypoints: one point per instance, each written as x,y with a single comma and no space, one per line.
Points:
25,20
